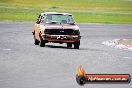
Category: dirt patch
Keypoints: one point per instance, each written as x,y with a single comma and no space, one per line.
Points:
125,41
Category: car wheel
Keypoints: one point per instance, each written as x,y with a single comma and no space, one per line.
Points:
36,42
76,45
42,43
69,44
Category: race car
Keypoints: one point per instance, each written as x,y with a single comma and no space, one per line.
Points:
56,27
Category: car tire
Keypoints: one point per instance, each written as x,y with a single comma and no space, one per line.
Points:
36,42
76,45
69,44
42,43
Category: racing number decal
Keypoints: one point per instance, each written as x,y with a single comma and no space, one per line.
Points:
58,37
61,37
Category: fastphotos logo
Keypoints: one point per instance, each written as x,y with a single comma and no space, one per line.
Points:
83,78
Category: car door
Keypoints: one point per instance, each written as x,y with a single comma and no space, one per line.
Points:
37,28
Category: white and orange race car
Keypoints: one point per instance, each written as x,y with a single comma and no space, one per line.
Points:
56,27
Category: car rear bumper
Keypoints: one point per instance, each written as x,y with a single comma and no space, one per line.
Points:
61,38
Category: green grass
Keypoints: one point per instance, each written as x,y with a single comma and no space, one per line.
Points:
95,11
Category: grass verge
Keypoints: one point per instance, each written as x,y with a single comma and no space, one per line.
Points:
92,11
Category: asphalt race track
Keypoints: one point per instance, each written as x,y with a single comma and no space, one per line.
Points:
24,65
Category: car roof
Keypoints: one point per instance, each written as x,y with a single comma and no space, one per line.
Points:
55,13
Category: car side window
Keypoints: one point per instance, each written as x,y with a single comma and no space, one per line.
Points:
43,18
